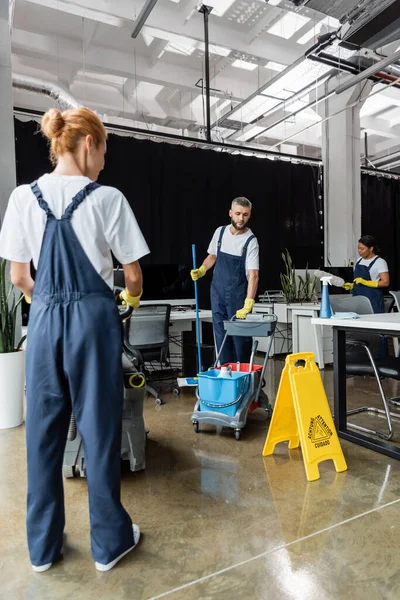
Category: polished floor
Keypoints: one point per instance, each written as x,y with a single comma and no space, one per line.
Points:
219,521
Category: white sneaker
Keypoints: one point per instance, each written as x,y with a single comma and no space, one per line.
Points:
42,568
47,566
110,565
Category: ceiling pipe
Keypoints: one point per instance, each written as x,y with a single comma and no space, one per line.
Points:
46,88
378,67
143,16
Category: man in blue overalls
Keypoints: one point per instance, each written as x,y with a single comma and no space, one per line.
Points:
234,252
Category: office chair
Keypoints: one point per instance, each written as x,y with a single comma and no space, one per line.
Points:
361,351
147,334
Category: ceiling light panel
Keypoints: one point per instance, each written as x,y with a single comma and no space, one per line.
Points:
274,66
242,64
221,6
287,25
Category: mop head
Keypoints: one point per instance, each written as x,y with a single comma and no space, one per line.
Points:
336,281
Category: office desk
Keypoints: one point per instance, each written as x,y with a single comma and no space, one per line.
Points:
181,321
387,324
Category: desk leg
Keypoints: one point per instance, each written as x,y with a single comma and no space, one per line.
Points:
319,345
339,379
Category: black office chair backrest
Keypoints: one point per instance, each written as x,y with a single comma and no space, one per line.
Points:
148,327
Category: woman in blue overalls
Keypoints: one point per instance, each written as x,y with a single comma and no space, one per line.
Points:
371,274
74,349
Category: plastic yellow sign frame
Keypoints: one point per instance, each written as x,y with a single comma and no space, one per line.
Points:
302,416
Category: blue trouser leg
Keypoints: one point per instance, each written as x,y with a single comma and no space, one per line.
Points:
242,348
47,419
97,400
219,315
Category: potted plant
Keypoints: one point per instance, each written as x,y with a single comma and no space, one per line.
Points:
12,358
297,289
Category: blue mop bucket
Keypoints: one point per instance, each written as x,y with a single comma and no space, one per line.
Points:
222,394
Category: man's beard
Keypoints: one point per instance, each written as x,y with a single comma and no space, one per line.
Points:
238,227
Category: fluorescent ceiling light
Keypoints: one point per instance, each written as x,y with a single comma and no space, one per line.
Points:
287,25
254,108
221,6
274,66
310,34
80,11
242,64
274,2
250,133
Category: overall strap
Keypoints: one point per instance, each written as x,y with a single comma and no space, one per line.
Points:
79,198
220,238
244,249
373,262
42,202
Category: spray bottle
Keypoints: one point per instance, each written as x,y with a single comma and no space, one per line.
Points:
325,311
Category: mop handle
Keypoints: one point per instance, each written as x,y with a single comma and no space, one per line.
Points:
196,295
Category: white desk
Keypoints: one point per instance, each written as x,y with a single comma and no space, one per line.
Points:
181,321
386,324
303,337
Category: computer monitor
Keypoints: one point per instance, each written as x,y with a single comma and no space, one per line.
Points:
163,282
302,273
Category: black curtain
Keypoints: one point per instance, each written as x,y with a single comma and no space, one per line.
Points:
180,195
380,206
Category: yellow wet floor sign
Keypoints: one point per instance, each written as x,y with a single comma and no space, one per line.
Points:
302,415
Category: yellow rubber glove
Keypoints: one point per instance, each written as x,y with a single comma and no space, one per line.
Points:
247,308
133,301
28,299
361,281
348,286
195,274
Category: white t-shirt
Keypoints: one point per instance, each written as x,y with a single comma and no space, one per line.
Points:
379,267
233,244
103,223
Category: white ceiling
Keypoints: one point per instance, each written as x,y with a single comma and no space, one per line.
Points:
86,47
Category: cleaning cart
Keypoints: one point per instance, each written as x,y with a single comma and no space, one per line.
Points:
133,439
226,395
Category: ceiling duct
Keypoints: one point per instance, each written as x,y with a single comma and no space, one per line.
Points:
46,88
365,24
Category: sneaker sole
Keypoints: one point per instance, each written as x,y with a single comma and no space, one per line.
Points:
110,565
42,568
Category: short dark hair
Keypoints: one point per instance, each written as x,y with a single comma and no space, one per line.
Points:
370,242
242,201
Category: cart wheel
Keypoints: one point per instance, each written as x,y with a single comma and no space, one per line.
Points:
237,434
68,471
268,411
176,391
196,426
158,401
